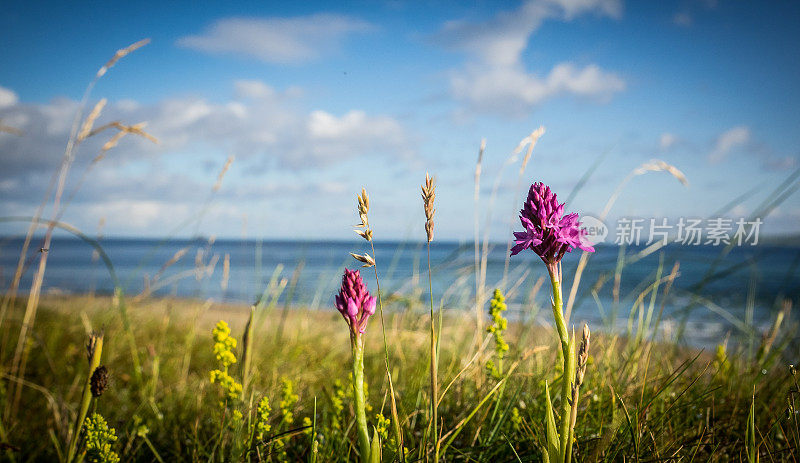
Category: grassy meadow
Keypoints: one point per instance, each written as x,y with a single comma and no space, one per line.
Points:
645,402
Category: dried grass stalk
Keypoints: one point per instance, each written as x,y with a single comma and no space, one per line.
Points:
172,261
121,53
657,165
476,239
530,140
428,195
86,128
59,180
221,175
136,129
362,229
226,271
654,165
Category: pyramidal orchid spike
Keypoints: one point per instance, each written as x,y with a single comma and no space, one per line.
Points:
548,232
354,301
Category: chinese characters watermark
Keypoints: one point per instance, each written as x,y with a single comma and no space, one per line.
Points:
717,231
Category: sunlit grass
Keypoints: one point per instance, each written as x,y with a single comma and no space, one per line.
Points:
659,401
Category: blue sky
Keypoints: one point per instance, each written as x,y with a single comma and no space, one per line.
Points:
316,100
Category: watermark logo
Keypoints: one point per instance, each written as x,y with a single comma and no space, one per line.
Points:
716,231
596,230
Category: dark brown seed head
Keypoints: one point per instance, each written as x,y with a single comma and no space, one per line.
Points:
99,381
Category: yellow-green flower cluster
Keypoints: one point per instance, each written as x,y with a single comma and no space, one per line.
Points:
499,324
516,419
224,344
337,404
262,419
99,440
288,401
382,425
226,382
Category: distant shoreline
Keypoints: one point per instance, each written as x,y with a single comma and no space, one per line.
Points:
791,240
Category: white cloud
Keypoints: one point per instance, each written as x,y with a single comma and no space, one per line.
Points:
590,81
500,40
495,78
138,214
729,140
7,97
284,152
332,137
253,89
265,126
256,89
667,141
512,91
277,40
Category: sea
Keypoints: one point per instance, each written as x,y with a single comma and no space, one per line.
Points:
716,292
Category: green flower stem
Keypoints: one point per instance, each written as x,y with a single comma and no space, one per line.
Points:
558,308
568,357
357,342
86,399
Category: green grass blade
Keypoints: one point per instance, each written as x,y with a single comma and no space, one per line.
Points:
750,437
634,431
552,450
375,450
457,430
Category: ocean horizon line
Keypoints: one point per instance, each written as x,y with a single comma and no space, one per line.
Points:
787,240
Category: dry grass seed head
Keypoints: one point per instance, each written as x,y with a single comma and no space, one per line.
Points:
428,196
365,258
583,356
136,129
91,343
363,209
363,206
86,128
121,53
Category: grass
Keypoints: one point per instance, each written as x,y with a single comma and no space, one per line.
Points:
652,403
